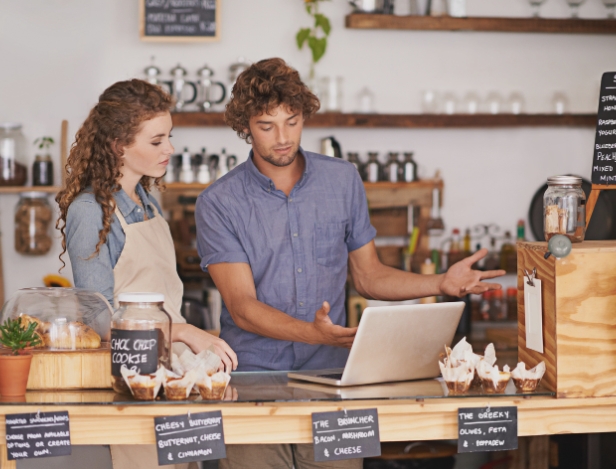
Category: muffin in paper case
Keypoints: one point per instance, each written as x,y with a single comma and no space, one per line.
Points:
212,386
527,380
178,388
493,380
144,387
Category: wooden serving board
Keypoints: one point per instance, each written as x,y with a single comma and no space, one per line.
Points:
78,369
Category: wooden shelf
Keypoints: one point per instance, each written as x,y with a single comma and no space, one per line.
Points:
507,25
410,121
20,189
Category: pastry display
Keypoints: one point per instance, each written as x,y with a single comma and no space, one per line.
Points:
178,388
493,380
457,378
144,387
212,386
62,334
527,380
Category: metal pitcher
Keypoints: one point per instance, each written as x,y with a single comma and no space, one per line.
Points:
204,89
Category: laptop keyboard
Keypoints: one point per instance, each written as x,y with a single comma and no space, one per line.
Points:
332,376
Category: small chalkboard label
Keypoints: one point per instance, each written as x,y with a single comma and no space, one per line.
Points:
189,438
487,429
37,435
604,157
138,350
345,435
180,19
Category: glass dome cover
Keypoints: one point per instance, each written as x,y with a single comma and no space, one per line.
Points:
67,318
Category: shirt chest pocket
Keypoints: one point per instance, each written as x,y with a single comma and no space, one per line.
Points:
330,246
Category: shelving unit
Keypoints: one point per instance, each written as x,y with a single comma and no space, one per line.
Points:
409,121
507,25
20,189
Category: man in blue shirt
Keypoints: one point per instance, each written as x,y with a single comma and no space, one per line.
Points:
278,233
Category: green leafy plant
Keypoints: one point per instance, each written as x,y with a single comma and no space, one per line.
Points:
17,337
44,143
315,37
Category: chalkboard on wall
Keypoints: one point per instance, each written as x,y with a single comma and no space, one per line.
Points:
604,158
179,20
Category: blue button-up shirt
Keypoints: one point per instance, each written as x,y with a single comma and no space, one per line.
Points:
84,221
297,248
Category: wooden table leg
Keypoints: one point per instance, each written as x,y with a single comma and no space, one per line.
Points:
590,204
4,462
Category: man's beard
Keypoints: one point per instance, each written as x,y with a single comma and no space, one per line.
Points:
280,161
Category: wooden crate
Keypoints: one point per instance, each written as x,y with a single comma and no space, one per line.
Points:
82,369
579,317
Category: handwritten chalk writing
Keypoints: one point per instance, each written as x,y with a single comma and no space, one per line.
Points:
56,434
497,430
609,108
321,424
59,443
494,415
195,438
14,437
608,98
605,146
51,442
180,18
606,178
602,168
324,439
607,122
357,435
471,431
34,435
606,156
16,421
604,133
348,450
490,443
355,420
17,445
161,17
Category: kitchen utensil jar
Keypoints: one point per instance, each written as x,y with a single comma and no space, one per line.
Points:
564,208
140,336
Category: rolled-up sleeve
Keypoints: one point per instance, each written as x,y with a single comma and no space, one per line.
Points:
217,240
91,271
360,230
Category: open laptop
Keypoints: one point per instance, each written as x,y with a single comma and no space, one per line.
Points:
394,343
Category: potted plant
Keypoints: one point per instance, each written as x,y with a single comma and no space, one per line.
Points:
315,37
15,366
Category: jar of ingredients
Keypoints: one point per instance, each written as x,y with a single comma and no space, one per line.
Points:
373,168
392,168
564,208
13,170
140,336
33,219
42,171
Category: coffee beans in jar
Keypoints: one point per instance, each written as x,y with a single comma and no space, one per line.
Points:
33,220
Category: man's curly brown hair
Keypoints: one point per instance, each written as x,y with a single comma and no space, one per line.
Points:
263,87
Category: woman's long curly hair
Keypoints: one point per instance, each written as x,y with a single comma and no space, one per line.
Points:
95,159
264,86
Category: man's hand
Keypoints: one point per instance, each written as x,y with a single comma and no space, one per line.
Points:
327,333
461,280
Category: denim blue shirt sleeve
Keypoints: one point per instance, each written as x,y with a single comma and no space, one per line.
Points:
84,221
297,248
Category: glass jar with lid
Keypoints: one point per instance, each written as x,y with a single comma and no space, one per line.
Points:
140,336
13,169
33,222
564,208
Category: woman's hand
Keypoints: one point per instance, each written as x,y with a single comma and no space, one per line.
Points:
199,340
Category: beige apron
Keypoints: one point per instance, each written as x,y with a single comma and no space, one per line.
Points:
147,264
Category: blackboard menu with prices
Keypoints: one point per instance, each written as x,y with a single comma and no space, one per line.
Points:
604,158
138,350
180,19
37,435
487,429
345,435
189,438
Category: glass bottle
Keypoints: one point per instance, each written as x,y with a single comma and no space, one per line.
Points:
42,171
512,304
33,221
564,208
140,336
392,168
498,307
373,168
467,242
13,170
521,231
508,257
409,168
484,306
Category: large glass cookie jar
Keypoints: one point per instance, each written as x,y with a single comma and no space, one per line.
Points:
564,208
140,336
66,318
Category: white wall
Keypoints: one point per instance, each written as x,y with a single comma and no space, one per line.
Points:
57,56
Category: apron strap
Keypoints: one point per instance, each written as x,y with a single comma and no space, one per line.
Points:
121,218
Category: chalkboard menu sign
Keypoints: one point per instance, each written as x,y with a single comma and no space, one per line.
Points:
345,435
180,20
604,159
37,435
138,350
189,438
487,429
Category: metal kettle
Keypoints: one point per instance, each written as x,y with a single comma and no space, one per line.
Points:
204,89
177,85
331,147
372,6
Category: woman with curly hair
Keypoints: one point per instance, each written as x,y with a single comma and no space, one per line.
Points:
111,226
